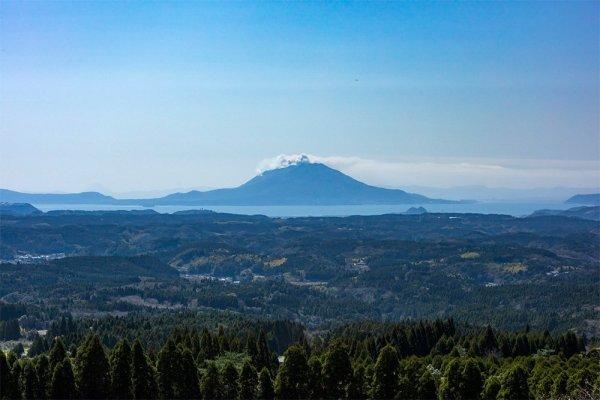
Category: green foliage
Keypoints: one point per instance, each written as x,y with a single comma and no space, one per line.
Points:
292,378
62,385
513,384
142,374
385,374
266,391
30,385
315,378
93,371
491,388
44,375
229,381
337,371
248,382
340,366
462,380
57,353
120,371
187,384
426,387
10,330
210,385
5,376
167,370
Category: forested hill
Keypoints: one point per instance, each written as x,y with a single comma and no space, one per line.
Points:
494,269
584,212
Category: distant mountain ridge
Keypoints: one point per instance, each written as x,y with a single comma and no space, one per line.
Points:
585,199
303,183
11,196
492,194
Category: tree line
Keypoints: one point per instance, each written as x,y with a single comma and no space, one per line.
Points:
361,361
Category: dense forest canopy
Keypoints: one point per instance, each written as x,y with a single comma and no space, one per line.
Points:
481,269
410,360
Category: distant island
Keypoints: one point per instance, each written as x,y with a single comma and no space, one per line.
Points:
303,183
585,199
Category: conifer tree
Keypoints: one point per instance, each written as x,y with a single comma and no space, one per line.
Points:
229,381
315,378
251,348
210,385
222,340
120,371
521,346
357,388
406,388
29,381
514,384
39,346
5,377
490,388
93,371
263,354
471,380
559,387
426,388
44,375
266,391
385,374
142,374
248,382
167,370
187,385
488,342
450,386
207,346
57,353
292,379
337,371
462,380
62,385
14,385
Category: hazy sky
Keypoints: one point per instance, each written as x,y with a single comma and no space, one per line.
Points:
149,95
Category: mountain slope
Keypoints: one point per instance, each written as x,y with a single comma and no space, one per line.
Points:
300,184
18,209
585,199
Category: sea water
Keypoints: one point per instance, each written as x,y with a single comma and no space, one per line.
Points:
509,208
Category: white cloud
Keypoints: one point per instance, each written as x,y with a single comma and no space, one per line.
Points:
282,161
448,172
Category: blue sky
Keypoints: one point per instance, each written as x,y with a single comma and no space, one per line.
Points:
151,95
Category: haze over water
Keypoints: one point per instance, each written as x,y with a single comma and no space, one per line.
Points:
509,208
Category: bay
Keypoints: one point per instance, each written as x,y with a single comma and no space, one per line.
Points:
508,208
